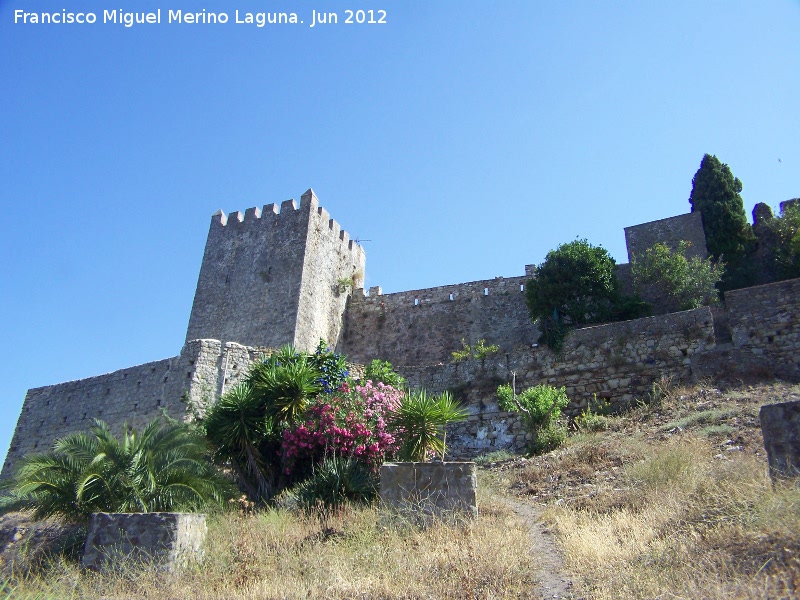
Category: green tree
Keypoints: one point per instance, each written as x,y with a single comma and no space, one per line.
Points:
245,439
381,371
729,237
576,284
778,242
685,283
163,468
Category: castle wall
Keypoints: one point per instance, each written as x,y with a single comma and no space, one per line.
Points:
424,326
618,362
333,266
670,231
765,324
249,283
134,395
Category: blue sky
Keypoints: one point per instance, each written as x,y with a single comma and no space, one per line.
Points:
464,139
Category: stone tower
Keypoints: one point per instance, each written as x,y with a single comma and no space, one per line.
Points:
270,278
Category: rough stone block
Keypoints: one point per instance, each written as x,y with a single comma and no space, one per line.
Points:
430,489
167,539
780,424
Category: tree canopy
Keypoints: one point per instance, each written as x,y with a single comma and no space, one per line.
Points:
716,195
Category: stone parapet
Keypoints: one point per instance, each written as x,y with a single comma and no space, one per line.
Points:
430,489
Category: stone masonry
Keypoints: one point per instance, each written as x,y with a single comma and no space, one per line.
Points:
434,489
272,277
169,539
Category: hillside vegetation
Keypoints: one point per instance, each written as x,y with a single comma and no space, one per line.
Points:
671,500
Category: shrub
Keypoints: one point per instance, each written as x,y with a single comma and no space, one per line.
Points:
335,481
575,285
548,438
245,439
686,282
479,351
163,468
590,420
380,371
540,407
284,383
352,424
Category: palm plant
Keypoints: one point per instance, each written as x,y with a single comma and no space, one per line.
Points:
284,383
163,468
421,421
244,438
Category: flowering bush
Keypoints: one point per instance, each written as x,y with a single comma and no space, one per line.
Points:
351,423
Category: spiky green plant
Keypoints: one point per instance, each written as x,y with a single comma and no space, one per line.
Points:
163,468
285,383
244,438
421,421
335,481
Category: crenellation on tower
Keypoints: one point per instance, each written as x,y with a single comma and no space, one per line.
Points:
271,278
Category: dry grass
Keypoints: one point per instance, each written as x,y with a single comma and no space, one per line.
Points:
671,501
650,511
278,554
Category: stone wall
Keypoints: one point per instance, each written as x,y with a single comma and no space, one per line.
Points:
182,387
670,231
269,278
617,362
432,489
765,323
424,326
134,395
168,539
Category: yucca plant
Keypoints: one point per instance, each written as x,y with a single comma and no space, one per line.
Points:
245,439
163,468
285,383
421,421
335,481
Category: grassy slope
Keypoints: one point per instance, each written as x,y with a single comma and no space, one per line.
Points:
670,501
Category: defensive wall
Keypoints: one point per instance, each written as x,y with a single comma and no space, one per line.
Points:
293,275
618,362
424,326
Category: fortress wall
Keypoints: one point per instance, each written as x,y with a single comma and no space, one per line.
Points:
765,326
425,326
134,395
670,231
333,266
618,362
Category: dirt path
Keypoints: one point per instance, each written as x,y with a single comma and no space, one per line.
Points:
554,581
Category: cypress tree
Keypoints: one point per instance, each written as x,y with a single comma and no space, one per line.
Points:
715,193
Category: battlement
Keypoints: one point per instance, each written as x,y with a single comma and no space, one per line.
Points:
287,214
270,276
457,292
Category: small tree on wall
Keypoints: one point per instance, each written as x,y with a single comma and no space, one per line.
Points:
576,284
685,282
